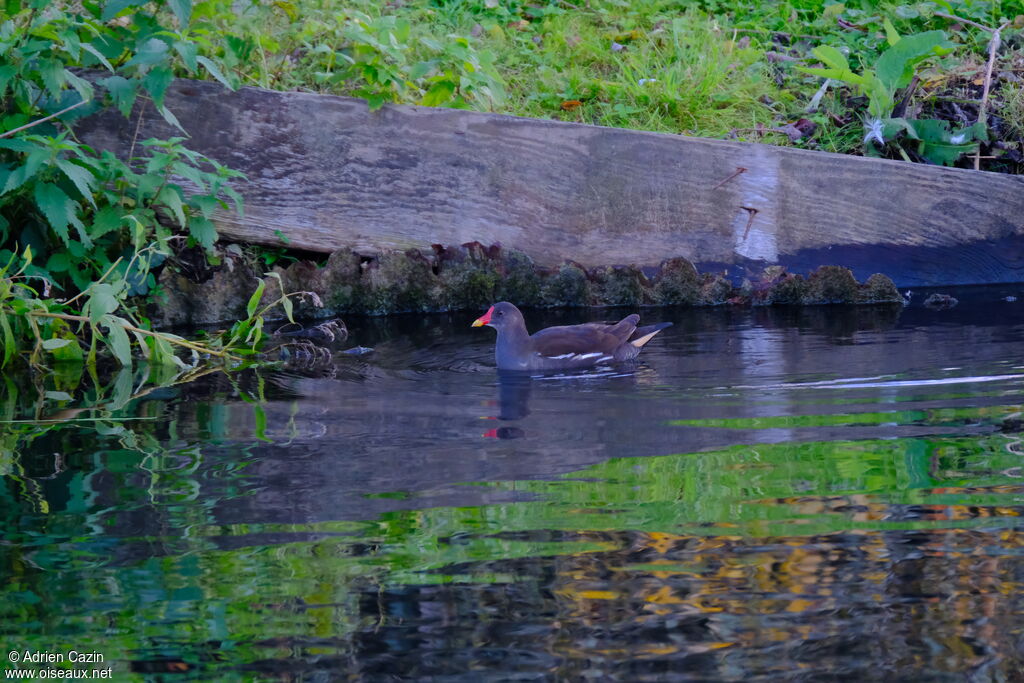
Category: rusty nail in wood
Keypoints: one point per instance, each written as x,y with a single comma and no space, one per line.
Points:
739,170
750,220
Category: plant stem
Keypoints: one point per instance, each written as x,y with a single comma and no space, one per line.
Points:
135,137
132,328
993,46
102,278
961,20
30,124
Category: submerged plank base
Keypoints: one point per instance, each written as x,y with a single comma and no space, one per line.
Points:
324,171
472,277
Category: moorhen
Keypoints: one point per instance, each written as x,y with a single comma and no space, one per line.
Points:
565,347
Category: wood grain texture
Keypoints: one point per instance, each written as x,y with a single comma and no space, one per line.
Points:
328,173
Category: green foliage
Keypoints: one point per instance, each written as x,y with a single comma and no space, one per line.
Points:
60,332
381,58
81,223
893,71
713,68
1013,109
376,53
80,209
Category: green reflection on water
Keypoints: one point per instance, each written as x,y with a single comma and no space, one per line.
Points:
180,599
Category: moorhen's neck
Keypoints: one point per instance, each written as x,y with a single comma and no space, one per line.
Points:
511,347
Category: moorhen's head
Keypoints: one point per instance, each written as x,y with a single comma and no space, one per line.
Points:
500,315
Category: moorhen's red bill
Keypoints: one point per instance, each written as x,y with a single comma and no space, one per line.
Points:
565,347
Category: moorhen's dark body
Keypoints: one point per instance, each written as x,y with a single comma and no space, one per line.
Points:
565,347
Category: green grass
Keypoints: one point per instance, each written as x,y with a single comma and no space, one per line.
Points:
679,75
697,68
1013,109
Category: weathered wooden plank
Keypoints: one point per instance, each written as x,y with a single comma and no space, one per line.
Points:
328,173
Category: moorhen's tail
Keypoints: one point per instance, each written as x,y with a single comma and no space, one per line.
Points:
644,334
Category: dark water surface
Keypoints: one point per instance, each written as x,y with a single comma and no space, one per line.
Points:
827,493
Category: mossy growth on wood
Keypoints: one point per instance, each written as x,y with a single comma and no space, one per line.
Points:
472,276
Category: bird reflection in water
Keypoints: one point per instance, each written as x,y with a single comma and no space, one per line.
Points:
515,387
513,403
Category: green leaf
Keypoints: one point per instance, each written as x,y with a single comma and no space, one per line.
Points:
196,176
439,94
895,67
82,179
421,69
16,145
158,161
147,183
104,429
286,304
153,51
214,71
98,55
892,36
891,127
170,118
260,422
143,343
9,343
27,171
58,262
7,72
182,10
82,87
156,82
978,131
118,339
58,208
189,52
939,146
835,74
72,353
203,230
254,300
255,333
170,197
106,220
235,197
880,98
122,389
206,204
122,91
51,71
57,395
56,343
102,300
946,155
831,57
114,7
